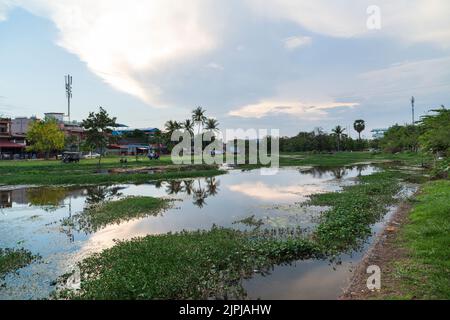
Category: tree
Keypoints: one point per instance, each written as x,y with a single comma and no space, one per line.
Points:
359,126
212,125
435,137
338,131
98,129
172,126
45,136
188,125
198,116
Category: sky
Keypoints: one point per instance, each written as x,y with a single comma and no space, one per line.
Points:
291,65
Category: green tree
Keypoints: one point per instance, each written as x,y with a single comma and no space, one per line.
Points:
435,137
338,131
98,129
198,116
359,126
45,136
188,125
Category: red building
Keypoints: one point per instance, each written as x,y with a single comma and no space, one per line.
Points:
10,146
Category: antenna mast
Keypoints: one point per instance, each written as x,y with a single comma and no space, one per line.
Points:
413,100
68,79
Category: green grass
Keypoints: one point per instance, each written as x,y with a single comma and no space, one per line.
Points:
205,264
100,215
425,273
86,172
14,259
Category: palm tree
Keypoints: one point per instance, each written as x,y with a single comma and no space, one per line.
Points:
198,116
338,131
359,127
172,126
188,125
212,124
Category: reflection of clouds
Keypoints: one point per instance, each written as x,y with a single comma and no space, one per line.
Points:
106,237
263,191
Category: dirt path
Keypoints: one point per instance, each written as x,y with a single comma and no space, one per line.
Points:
383,253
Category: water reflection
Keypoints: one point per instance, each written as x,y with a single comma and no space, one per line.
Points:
337,172
272,201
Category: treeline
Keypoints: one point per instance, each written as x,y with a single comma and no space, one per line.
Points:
321,141
430,135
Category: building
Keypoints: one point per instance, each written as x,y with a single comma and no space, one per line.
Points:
378,133
10,147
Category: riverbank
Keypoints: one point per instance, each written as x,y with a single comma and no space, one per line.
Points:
46,172
412,252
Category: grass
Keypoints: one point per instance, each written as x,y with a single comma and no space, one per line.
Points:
56,173
425,272
354,210
51,172
100,215
204,264
14,259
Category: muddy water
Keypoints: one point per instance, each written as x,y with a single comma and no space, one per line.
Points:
32,218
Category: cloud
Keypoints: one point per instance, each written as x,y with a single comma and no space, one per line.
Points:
312,111
297,42
123,43
4,7
215,66
408,20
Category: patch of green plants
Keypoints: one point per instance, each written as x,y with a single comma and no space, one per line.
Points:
97,216
14,259
354,210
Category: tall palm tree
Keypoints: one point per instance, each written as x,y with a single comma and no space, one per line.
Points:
359,126
212,125
198,116
172,126
188,125
338,131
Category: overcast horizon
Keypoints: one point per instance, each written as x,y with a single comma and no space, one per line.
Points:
292,65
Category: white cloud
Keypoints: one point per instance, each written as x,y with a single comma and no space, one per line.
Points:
4,7
292,43
215,66
123,42
408,20
312,111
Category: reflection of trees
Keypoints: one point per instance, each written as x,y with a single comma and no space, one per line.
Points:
194,188
212,186
188,187
338,173
174,187
97,194
52,197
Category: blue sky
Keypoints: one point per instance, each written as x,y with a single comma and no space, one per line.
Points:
285,64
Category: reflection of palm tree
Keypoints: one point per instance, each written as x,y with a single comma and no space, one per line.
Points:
174,187
200,196
212,186
338,173
99,194
188,186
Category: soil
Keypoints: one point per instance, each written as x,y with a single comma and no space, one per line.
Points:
383,253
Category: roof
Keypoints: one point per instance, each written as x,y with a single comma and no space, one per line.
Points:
7,144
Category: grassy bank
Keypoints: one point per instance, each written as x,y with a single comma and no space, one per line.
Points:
210,263
100,215
424,273
52,172
13,259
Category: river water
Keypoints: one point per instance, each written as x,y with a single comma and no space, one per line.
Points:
31,218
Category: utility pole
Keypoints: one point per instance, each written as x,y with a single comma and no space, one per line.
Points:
413,100
68,79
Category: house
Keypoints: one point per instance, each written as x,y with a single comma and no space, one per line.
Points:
10,147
